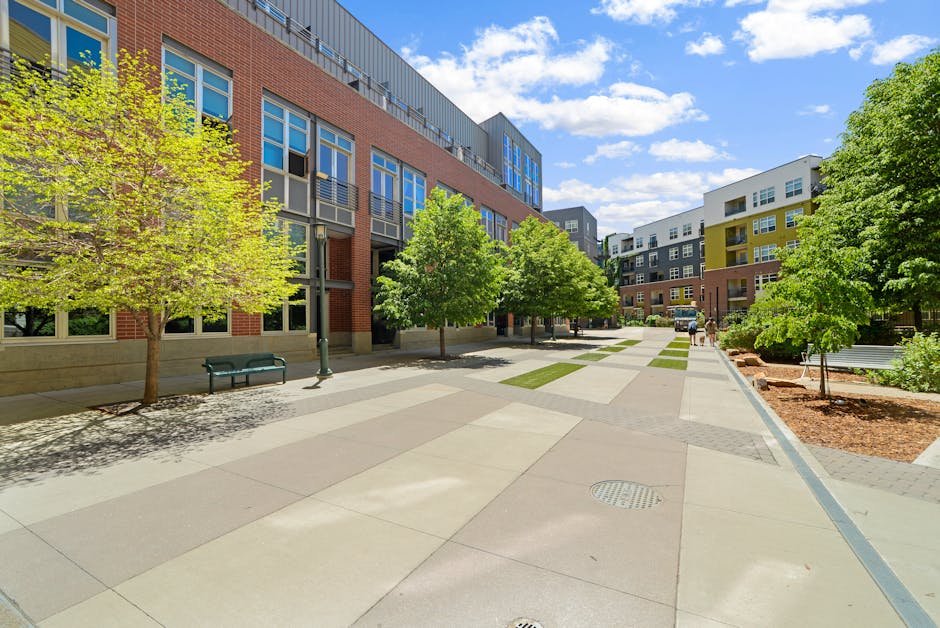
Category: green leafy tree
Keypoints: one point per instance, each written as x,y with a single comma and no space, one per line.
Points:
115,197
450,270
883,183
821,297
590,296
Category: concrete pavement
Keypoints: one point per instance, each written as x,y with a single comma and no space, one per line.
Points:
410,492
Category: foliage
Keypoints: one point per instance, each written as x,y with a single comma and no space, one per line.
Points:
161,219
450,271
652,320
918,369
884,186
542,376
635,322
742,336
820,298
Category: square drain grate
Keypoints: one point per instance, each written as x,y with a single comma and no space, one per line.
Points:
624,494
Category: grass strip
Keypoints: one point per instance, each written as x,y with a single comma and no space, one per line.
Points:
591,357
542,376
678,344
674,353
628,343
612,349
663,363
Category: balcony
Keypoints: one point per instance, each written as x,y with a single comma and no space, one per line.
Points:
386,216
336,200
656,300
628,303
739,261
737,293
736,239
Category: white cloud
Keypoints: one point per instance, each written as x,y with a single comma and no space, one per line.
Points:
565,164
734,3
788,29
625,217
612,151
815,110
643,11
898,48
677,150
509,70
707,44
728,175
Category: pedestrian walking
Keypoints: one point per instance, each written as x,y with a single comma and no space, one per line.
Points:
693,330
711,330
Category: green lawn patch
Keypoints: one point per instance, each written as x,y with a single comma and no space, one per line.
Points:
678,344
542,376
612,349
628,343
591,357
663,363
674,353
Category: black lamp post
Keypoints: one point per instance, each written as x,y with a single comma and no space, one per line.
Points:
319,231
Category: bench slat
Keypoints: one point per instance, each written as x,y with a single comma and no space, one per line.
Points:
872,357
243,364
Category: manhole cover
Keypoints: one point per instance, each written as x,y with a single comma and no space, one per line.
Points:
525,623
626,494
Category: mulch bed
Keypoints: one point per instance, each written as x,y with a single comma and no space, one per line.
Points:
887,427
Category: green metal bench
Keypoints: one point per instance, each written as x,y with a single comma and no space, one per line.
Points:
865,357
243,364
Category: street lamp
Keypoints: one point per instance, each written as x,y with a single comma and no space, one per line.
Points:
319,231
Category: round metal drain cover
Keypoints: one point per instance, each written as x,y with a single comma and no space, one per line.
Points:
522,622
626,494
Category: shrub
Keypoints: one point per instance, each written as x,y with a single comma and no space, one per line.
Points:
918,369
652,320
634,323
742,336
665,322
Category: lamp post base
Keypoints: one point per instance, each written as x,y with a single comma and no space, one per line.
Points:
324,351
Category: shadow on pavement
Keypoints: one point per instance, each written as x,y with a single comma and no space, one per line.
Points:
89,440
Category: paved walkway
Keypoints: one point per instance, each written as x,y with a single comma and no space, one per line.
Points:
411,492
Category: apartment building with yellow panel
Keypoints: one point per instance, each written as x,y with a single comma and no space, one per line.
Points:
746,222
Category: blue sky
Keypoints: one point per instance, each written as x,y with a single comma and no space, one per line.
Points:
640,106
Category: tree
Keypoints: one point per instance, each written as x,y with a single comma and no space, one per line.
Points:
821,297
450,270
593,296
883,184
115,196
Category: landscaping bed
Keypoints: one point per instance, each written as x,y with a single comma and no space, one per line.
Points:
898,428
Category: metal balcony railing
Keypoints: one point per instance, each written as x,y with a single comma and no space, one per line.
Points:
340,193
656,301
737,293
386,216
740,238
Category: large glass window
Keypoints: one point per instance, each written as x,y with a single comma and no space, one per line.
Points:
794,187
209,90
766,224
488,220
673,233
333,159
39,323
285,152
414,190
571,226
686,250
763,197
791,216
384,186
501,228
290,316
765,253
197,325
64,32
687,229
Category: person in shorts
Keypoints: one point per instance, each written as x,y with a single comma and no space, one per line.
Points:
711,330
693,330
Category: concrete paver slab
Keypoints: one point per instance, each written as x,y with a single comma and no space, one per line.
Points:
128,535
592,383
105,610
756,571
18,408
244,443
511,370
560,527
525,418
500,448
466,588
434,495
309,561
719,403
464,407
8,523
39,579
653,394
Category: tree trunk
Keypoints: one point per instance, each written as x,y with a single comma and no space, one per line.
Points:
918,316
440,331
152,378
823,386
531,330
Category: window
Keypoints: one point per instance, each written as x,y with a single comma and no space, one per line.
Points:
414,190
687,292
488,221
687,229
516,164
735,206
766,224
32,323
290,316
793,187
197,325
673,233
654,260
674,253
507,160
792,244
333,159
501,231
640,278
640,297
791,216
765,253
208,89
640,261
673,294
763,197
687,270
384,187
653,242
571,226
285,150
674,272
297,235
764,279
615,249
687,250
701,249
639,242
701,270
68,32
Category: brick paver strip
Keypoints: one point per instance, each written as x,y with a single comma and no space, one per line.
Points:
901,478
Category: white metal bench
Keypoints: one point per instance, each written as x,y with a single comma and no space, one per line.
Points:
865,357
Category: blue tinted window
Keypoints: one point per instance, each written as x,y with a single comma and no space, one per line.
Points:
273,129
86,16
179,63
214,103
273,155
82,48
